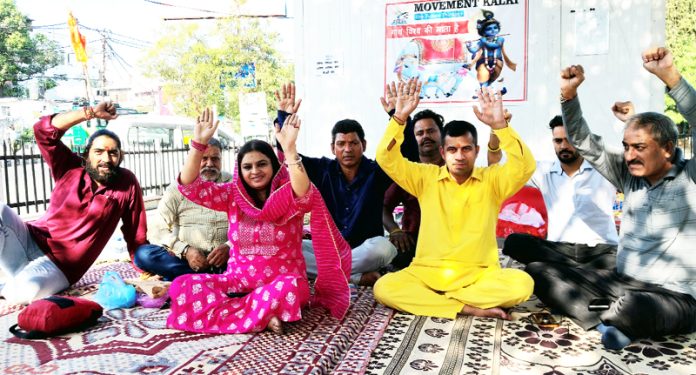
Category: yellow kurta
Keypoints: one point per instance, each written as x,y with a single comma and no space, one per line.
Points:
456,260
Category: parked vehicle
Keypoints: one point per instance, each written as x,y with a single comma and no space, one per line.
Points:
162,131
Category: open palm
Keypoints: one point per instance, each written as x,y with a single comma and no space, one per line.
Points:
205,126
490,110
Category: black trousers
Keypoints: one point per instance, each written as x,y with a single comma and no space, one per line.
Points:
528,249
638,309
568,276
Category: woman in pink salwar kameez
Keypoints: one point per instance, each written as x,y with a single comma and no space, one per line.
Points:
265,283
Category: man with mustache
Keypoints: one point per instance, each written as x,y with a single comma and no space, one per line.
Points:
427,126
353,188
92,194
579,201
188,238
652,290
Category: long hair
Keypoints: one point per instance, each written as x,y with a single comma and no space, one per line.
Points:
99,133
267,150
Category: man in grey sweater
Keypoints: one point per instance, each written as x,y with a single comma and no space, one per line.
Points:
652,291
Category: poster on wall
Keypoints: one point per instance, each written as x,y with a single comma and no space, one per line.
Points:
456,47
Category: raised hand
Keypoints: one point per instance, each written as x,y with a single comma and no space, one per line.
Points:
491,110
508,116
286,99
571,78
287,135
105,111
205,127
408,97
659,62
389,104
623,110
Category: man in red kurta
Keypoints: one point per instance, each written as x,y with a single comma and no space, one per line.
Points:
92,193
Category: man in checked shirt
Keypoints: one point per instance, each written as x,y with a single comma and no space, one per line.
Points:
185,237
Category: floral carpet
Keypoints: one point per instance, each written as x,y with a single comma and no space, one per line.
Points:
467,345
136,341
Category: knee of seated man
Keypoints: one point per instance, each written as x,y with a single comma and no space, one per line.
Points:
520,284
141,257
385,288
381,250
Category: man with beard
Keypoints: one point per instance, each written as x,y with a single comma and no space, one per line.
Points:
652,290
186,237
579,201
91,195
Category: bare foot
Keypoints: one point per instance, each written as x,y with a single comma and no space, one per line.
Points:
493,312
369,278
275,326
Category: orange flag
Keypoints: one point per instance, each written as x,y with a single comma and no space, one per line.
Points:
77,40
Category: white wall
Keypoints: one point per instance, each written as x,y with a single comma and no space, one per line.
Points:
353,31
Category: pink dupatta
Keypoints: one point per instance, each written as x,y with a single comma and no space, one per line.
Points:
332,252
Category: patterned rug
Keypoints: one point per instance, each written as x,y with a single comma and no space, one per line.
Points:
467,345
134,341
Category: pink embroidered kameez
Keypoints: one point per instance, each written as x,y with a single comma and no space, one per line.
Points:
265,264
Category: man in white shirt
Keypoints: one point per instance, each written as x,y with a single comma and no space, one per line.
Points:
579,202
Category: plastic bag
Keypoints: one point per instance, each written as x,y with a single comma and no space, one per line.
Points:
114,293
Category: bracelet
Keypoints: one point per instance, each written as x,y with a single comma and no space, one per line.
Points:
493,149
89,112
183,252
198,146
397,230
297,161
398,119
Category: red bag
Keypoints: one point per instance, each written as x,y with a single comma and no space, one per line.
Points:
55,315
527,201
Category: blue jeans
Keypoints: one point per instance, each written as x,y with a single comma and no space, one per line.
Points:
156,259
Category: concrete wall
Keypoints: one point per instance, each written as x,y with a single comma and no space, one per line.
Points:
353,32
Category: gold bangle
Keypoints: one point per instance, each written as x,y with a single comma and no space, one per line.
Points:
493,149
397,230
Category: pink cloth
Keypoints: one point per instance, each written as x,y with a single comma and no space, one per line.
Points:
265,264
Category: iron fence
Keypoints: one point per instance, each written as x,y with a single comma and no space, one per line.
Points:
27,183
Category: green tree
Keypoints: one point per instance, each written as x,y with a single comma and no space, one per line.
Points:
197,66
22,55
680,25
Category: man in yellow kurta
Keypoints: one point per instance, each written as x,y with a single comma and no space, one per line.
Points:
456,267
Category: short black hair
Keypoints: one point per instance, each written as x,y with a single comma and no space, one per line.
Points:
457,128
347,126
98,134
555,122
426,113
